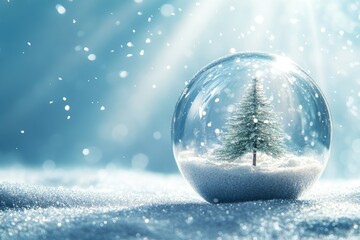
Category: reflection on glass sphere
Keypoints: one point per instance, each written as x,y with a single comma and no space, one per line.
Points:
251,126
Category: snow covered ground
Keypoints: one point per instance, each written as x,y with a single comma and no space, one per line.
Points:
223,181
119,204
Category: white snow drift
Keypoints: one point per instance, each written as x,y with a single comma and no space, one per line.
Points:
118,204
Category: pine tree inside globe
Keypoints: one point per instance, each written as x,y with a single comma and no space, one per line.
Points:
251,126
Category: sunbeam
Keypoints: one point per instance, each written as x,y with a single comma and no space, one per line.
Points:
143,101
314,36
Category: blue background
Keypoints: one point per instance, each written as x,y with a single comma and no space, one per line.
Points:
124,120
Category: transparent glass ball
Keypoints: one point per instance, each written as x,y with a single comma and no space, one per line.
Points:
251,126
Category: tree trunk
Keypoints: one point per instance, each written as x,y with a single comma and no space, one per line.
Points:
254,154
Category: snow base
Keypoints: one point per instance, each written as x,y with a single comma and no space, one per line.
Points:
103,204
223,181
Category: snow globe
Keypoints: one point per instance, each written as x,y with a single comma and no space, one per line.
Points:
251,126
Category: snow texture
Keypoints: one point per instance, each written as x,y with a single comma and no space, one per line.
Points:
120,204
223,181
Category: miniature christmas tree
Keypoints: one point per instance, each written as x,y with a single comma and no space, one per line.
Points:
253,127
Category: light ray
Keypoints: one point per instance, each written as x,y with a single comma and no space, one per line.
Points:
317,56
142,102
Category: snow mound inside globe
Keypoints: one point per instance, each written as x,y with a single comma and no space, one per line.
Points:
251,126
272,178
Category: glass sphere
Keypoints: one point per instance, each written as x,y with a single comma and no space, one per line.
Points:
251,126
